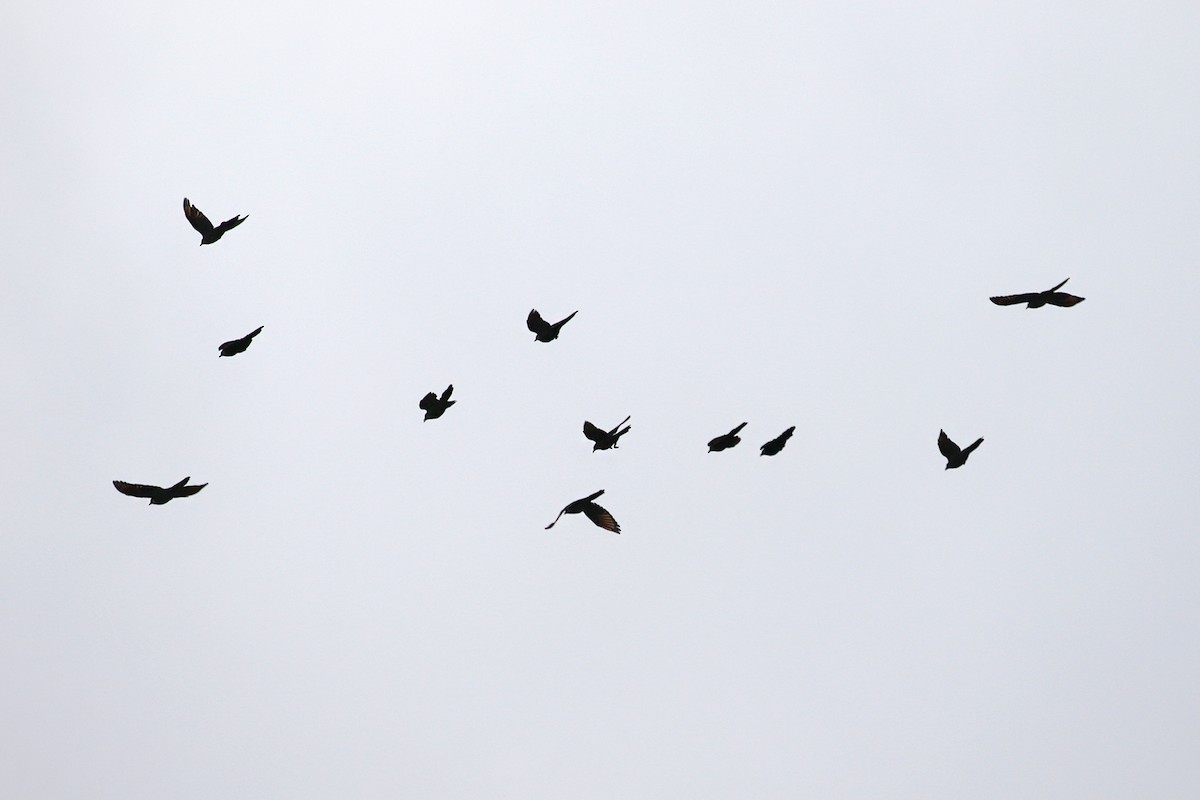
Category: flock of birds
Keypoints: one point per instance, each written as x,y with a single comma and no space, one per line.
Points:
435,406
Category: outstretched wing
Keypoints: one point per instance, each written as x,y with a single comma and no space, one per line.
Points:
186,491
1013,299
948,448
230,224
971,447
601,517
197,218
1063,299
253,333
429,402
136,489
446,394
593,433
535,323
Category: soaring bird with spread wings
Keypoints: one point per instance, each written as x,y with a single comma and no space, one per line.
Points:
545,332
775,445
955,456
588,508
208,233
158,495
605,440
726,440
1038,299
235,346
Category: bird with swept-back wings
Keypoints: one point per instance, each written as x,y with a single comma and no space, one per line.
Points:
159,495
545,332
1038,299
588,508
955,456
726,440
435,406
235,346
775,445
605,440
208,233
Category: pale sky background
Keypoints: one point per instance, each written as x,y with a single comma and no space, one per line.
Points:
779,213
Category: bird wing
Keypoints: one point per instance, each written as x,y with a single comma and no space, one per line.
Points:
446,394
186,491
1063,299
254,333
948,448
197,218
601,517
1013,299
565,320
593,433
535,322
428,402
230,224
136,489
971,447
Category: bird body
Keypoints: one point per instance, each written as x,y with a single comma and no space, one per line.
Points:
232,348
955,456
434,406
544,331
775,445
208,233
726,441
589,509
1038,299
159,495
605,440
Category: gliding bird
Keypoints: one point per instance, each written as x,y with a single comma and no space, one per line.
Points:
592,511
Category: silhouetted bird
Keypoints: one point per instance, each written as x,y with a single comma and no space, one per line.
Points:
1038,299
775,445
726,441
208,234
434,406
236,346
544,330
157,494
605,440
593,512
955,455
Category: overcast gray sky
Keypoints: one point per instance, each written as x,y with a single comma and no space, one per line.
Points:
779,213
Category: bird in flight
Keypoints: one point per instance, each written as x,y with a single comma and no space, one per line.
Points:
157,494
235,346
955,455
544,330
775,445
605,440
435,406
1038,299
208,234
726,441
593,512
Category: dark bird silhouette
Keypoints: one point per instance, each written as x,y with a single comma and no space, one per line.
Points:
435,406
232,348
157,494
955,455
593,512
726,441
1038,299
208,234
544,330
605,440
775,445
